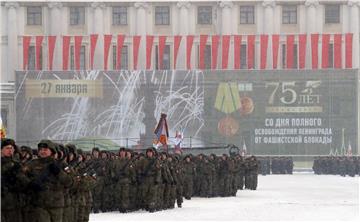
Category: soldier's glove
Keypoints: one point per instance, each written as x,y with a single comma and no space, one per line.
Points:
54,169
156,182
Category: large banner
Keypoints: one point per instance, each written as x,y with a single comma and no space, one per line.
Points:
268,112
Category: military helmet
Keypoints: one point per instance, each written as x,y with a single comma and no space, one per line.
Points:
47,144
6,142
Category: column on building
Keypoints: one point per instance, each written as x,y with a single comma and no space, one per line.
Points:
226,28
141,21
269,8
98,28
183,31
56,30
12,38
311,8
354,28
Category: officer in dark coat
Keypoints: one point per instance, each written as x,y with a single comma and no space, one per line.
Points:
48,182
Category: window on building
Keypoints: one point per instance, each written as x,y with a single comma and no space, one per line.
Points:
34,15
82,58
331,56
204,15
289,14
77,15
332,14
243,57
119,15
162,15
284,56
247,15
124,58
207,57
166,58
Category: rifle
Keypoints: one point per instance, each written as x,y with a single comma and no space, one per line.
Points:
145,173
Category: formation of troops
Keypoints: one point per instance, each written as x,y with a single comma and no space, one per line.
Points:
337,165
275,165
63,183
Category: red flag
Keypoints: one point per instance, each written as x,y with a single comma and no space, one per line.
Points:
214,50
120,43
337,51
314,50
237,52
325,51
177,40
348,50
149,46
136,44
51,47
93,40
251,51
78,40
275,47
290,51
107,43
203,39
189,43
263,46
66,46
225,51
38,44
26,44
162,42
302,50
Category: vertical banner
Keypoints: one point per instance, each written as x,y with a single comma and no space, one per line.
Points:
78,40
189,43
93,40
177,40
26,44
136,45
251,51
51,47
107,43
214,50
225,51
203,39
275,50
348,50
314,50
325,51
263,50
120,43
302,50
337,51
38,48
290,51
237,52
149,46
65,51
162,42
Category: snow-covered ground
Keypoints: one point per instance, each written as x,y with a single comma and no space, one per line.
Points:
299,197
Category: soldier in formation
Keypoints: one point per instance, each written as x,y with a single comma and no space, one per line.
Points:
337,165
62,183
282,165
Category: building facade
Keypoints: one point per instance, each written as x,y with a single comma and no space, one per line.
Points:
172,18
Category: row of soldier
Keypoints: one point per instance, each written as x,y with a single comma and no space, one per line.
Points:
277,165
337,165
62,183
